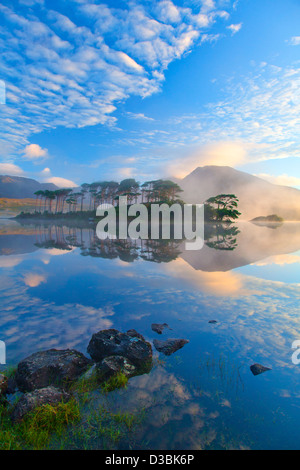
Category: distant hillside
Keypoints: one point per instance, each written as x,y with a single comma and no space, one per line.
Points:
16,187
257,196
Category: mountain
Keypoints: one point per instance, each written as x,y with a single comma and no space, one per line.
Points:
16,187
257,197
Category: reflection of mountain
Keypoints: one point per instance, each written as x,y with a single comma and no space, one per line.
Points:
226,246
254,243
17,244
257,196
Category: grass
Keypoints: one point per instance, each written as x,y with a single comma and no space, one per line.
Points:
224,371
117,381
76,424
37,428
9,371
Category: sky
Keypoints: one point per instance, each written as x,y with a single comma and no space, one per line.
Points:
97,90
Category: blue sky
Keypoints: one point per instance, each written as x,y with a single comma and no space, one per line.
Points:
145,89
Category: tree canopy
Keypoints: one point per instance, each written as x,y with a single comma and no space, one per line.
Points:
222,207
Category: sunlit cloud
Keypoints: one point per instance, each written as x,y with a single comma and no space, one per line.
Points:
222,153
34,280
218,283
10,261
45,172
35,152
11,169
61,182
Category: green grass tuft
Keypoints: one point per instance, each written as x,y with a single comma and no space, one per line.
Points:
117,381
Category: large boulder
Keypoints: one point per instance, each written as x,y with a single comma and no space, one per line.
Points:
52,367
44,396
114,343
169,346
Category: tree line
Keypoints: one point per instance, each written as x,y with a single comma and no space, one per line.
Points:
89,196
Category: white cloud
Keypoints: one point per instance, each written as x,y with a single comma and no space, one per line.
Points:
46,171
168,12
10,169
139,116
258,118
235,28
75,76
294,41
35,152
61,182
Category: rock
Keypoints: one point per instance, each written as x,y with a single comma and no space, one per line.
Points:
134,334
114,343
29,401
169,346
3,385
212,321
113,365
159,327
257,369
52,367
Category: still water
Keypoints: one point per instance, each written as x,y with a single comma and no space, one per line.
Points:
60,284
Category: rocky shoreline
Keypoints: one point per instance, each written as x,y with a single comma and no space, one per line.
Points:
50,377
47,377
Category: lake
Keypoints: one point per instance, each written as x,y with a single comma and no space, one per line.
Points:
61,284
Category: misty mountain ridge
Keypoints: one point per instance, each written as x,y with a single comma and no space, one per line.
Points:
257,197
17,187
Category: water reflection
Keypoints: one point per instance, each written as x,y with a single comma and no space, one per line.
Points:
59,284
226,247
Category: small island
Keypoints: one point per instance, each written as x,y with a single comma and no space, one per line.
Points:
271,221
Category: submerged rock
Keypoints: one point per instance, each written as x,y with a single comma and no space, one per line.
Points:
257,369
52,367
44,396
114,343
169,346
159,327
213,321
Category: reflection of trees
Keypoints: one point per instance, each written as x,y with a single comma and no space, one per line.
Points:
64,238
52,237
221,236
217,236
160,251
